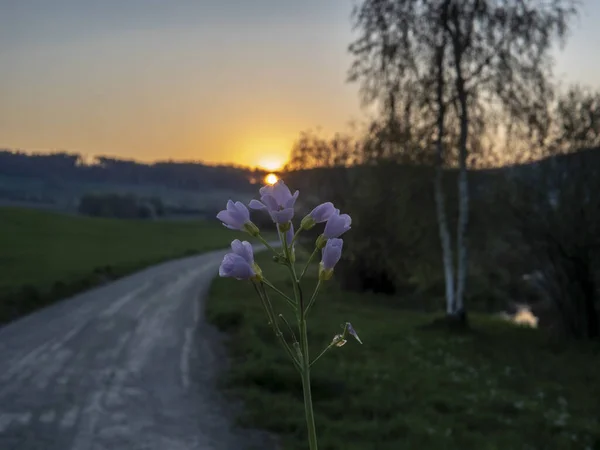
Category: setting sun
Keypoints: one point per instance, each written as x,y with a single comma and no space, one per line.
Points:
271,178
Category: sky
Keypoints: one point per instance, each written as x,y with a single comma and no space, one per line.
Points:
219,81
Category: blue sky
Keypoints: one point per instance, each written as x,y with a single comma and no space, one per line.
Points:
214,80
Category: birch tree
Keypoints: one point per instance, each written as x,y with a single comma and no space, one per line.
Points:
461,62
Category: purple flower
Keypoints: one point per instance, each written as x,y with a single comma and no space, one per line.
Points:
332,253
337,225
244,249
352,332
323,212
235,266
235,217
277,200
319,214
239,264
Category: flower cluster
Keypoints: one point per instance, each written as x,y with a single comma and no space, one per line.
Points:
279,202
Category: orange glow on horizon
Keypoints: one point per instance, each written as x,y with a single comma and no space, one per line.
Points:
272,164
271,179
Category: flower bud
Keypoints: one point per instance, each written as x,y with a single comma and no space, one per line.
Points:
321,241
350,329
307,223
283,227
332,253
337,224
258,273
324,274
251,229
320,214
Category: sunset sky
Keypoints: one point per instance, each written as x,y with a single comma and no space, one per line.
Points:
210,80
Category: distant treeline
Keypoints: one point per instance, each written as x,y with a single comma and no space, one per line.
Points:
178,175
120,206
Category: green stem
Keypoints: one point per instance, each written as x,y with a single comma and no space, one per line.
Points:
312,298
262,293
282,317
296,234
321,354
308,262
308,406
305,367
266,244
288,299
292,269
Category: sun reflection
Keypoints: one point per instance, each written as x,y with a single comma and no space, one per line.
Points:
271,178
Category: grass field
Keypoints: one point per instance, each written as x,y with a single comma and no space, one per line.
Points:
45,256
409,386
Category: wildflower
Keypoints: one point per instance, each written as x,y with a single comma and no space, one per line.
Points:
278,201
319,214
244,249
237,217
235,266
240,264
337,225
352,332
331,255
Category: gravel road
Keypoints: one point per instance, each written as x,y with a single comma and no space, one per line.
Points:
129,365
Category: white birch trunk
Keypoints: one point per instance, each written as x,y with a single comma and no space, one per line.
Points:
463,194
458,47
461,238
440,205
444,239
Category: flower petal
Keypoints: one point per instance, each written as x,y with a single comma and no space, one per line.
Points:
230,205
242,211
337,225
353,332
266,190
248,252
255,204
235,266
322,212
229,220
332,253
270,202
224,216
244,249
292,200
281,193
289,234
283,216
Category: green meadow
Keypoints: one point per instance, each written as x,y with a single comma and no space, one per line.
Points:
46,256
412,384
